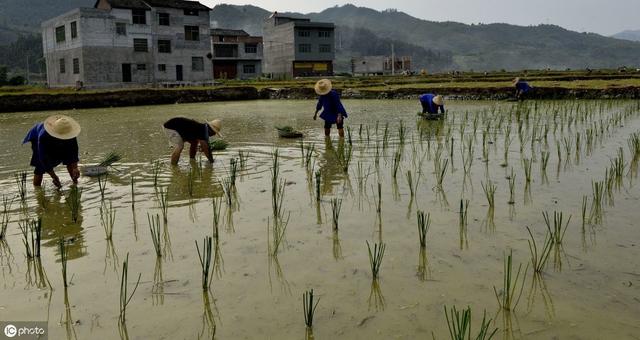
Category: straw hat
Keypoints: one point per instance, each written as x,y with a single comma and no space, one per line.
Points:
438,100
62,127
323,87
216,126
517,80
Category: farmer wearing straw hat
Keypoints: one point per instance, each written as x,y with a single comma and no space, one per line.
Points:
431,103
181,130
333,111
522,88
53,142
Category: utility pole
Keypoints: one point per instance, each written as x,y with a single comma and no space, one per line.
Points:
393,60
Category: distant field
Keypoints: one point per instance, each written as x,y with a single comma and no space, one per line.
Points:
600,79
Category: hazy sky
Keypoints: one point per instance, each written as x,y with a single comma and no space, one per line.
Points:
600,16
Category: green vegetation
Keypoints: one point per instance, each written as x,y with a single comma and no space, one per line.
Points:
460,325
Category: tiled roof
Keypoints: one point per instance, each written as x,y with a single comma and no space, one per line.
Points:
129,4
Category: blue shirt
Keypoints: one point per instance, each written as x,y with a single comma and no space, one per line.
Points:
48,151
427,101
523,86
332,106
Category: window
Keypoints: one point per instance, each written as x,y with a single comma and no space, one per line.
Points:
139,16
304,33
325,48
62,66
74,30
162,67
121,28
163,19
164,46
60,34
192,33
76,66
251,48
304,48
140,45
249,69
197,64
225,51
191,12
324,34
141,67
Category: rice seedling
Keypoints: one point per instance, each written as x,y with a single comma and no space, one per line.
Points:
205,261
558,229
401,132
102,185
309,308
463,213
345,158
510,293
63,260
243,156
539,257
21,181
227,187
5,218
73,200
133,191
155,170
233,171
308,154
278,230
154,229
413,187
424,222
512,187
163,198
336,205
125,297
379,200
31,237
375,258
318,176
107,219
441,171
397,157
527,169
489,192
585,200
217,213
544,161
218,145
459,325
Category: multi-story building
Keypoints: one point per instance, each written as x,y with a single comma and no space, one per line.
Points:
298,47
121,42
236,54
380,65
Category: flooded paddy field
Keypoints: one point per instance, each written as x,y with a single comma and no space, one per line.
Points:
485,184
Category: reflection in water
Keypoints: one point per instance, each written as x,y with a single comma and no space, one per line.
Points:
68,322
424,271
35,275
331,166
376,299
157,291
337,248
209,327
166,236
218,261
510,330
538,285
274,264
56,225
110,257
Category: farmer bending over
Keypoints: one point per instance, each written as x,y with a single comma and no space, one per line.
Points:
181,130
53,142
333,111
522,88
431,104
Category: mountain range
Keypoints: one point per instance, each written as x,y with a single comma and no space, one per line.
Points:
436,46
632,35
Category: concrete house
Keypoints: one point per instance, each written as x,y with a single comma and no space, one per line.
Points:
379,65
236,54
128,42
298,47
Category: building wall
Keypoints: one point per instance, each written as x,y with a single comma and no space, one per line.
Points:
102,52
243,58
315,41
279,48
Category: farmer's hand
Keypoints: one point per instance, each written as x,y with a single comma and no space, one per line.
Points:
74,172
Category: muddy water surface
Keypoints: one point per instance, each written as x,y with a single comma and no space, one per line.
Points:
589,288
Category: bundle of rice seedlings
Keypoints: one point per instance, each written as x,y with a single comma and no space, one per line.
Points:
111,158
288,132
218,145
